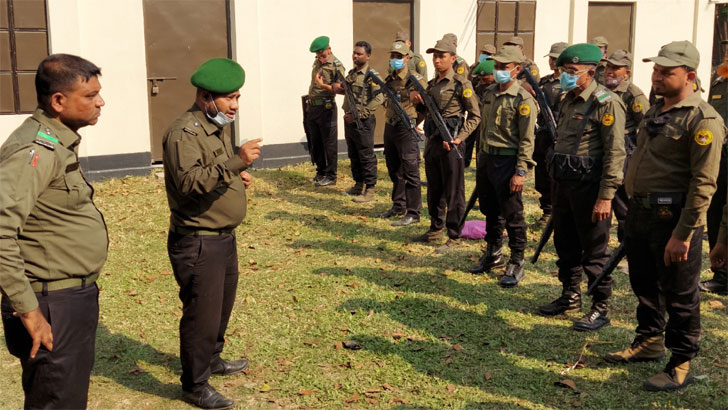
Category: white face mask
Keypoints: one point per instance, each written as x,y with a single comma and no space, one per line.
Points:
220,119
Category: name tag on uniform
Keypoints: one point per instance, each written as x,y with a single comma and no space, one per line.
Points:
72,167
218,152
664,200
717,97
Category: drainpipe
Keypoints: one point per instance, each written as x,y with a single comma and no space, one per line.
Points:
695,22
571,21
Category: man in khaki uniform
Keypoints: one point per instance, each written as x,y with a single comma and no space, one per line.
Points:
416,63
670,181
487,51
460,66
587,170
457,103
507,128
527,63
53,239
360,141
617,78
205,182
321,118
603,44
401,148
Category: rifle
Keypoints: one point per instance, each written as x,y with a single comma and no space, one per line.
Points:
305,107
545,235
471,204
609,267
435,115
394,99
351,101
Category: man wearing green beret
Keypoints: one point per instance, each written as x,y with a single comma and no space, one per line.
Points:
603,44
206,181
551,88
586,168
617,77
487,51
506,146
321,118
670,181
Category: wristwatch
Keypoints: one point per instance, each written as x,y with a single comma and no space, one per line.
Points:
521,172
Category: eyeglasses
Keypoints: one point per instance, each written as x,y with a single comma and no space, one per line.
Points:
572,71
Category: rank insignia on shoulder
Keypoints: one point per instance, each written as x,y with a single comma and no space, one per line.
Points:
337,62
189,131
460,70
459,59
467,93
703,137
607,119
524,109
421,63
46,141
637,107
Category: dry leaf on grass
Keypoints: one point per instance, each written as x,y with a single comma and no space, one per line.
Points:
568,383
451,388
354,397
305,392
716,304
487,376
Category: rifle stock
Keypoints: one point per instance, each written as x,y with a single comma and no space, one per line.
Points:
471,204
305,106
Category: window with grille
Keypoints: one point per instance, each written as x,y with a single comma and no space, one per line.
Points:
23,45
498,20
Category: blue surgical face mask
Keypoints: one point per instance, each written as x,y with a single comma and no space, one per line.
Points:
568,81
503,76
220,119
396,63
483,57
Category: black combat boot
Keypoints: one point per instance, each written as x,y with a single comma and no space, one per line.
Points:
718,285
567,303
492,258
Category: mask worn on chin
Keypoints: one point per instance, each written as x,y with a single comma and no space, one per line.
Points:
503,76
396,63
568,81
613,82
220,119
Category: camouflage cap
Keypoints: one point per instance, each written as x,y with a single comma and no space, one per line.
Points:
401,36
581,53
451,37
319,44
484,68
399,47
488,49
443,46
677,53
599,41
219,75
557,49
514,41
622,58
509,54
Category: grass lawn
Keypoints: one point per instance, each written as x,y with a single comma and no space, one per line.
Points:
318,271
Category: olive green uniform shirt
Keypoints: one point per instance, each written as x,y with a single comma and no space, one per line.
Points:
366,95
465,102
718,96
508,120
603,134
461,67
399,84
328,72
635,102
202,174
683,157
533,68
50,228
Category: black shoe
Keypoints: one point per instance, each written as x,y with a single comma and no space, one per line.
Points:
226,368
564,304
325,181
713,286
406,220
428,237
208,398
492,258
594,320
317,178
392,212
514,274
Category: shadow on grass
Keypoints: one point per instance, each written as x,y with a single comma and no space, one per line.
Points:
118,358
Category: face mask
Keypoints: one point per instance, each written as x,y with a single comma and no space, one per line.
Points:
568,81
483,57
503,76
611,82
396,63
220,119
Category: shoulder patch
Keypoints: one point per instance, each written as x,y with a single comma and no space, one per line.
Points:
459,59
337,62
421,63
637,107
703,137
534,72
460,70
467,93
607,119
374,71
189,131
45,143
524,109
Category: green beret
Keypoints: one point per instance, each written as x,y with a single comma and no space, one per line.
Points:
582,53
485,67
319,44
219,75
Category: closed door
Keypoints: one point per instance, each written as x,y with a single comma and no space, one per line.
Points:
613,21
180,35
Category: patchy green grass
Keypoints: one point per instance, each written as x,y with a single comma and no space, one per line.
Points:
317,270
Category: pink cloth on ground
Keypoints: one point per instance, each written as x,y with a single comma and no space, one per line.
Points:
474,229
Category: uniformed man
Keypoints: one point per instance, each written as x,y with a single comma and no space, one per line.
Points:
551,88
53,238
587,170
460,66
718,98
670,181
206,182
506,147
360,142
401,148
603,44
617,77
416,63
527,63
321,119
487,51
454,96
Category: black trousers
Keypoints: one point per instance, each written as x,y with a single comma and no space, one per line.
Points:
659,288
321,124
57,379
360,145
620,203
470,144
445,187
542,181
402,156
206,269
501,207
580,243
715,211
